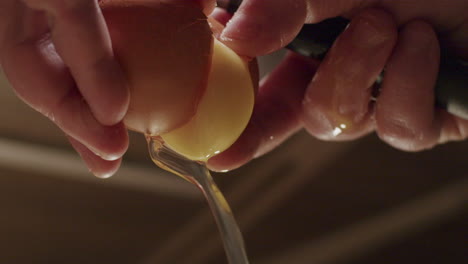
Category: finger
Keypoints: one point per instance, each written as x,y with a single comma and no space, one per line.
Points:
216,26
99,167
207,5
42,80
405,114
453,128
80,36
260,27
337,103
276,113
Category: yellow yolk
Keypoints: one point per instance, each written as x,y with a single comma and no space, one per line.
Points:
223,112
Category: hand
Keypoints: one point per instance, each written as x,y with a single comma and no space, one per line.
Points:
333,99
58,57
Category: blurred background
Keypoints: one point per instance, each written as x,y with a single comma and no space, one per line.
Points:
306,202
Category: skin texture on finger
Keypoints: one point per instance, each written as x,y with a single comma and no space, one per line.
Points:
41,79
92,63
405,113
337,104
97,166
260,27
217,22
276,113
19,23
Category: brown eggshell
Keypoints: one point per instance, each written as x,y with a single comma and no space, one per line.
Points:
165,50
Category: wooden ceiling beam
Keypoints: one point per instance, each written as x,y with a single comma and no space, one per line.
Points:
41,159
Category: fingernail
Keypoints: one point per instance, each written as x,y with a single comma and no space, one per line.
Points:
103,175
90,164
108,157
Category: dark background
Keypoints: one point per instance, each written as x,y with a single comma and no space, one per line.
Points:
307,202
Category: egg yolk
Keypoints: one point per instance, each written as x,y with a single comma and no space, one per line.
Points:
223,112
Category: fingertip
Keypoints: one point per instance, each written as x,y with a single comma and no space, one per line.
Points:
316,122
324,124
96,165
110,99
405,136
107,142
107,169
74,116
116,143
241,152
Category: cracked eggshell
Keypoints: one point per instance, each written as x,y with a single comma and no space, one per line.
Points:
165,51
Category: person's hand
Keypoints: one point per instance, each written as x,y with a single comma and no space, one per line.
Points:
58,57
333,99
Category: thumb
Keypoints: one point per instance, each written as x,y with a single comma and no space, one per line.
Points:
260,27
